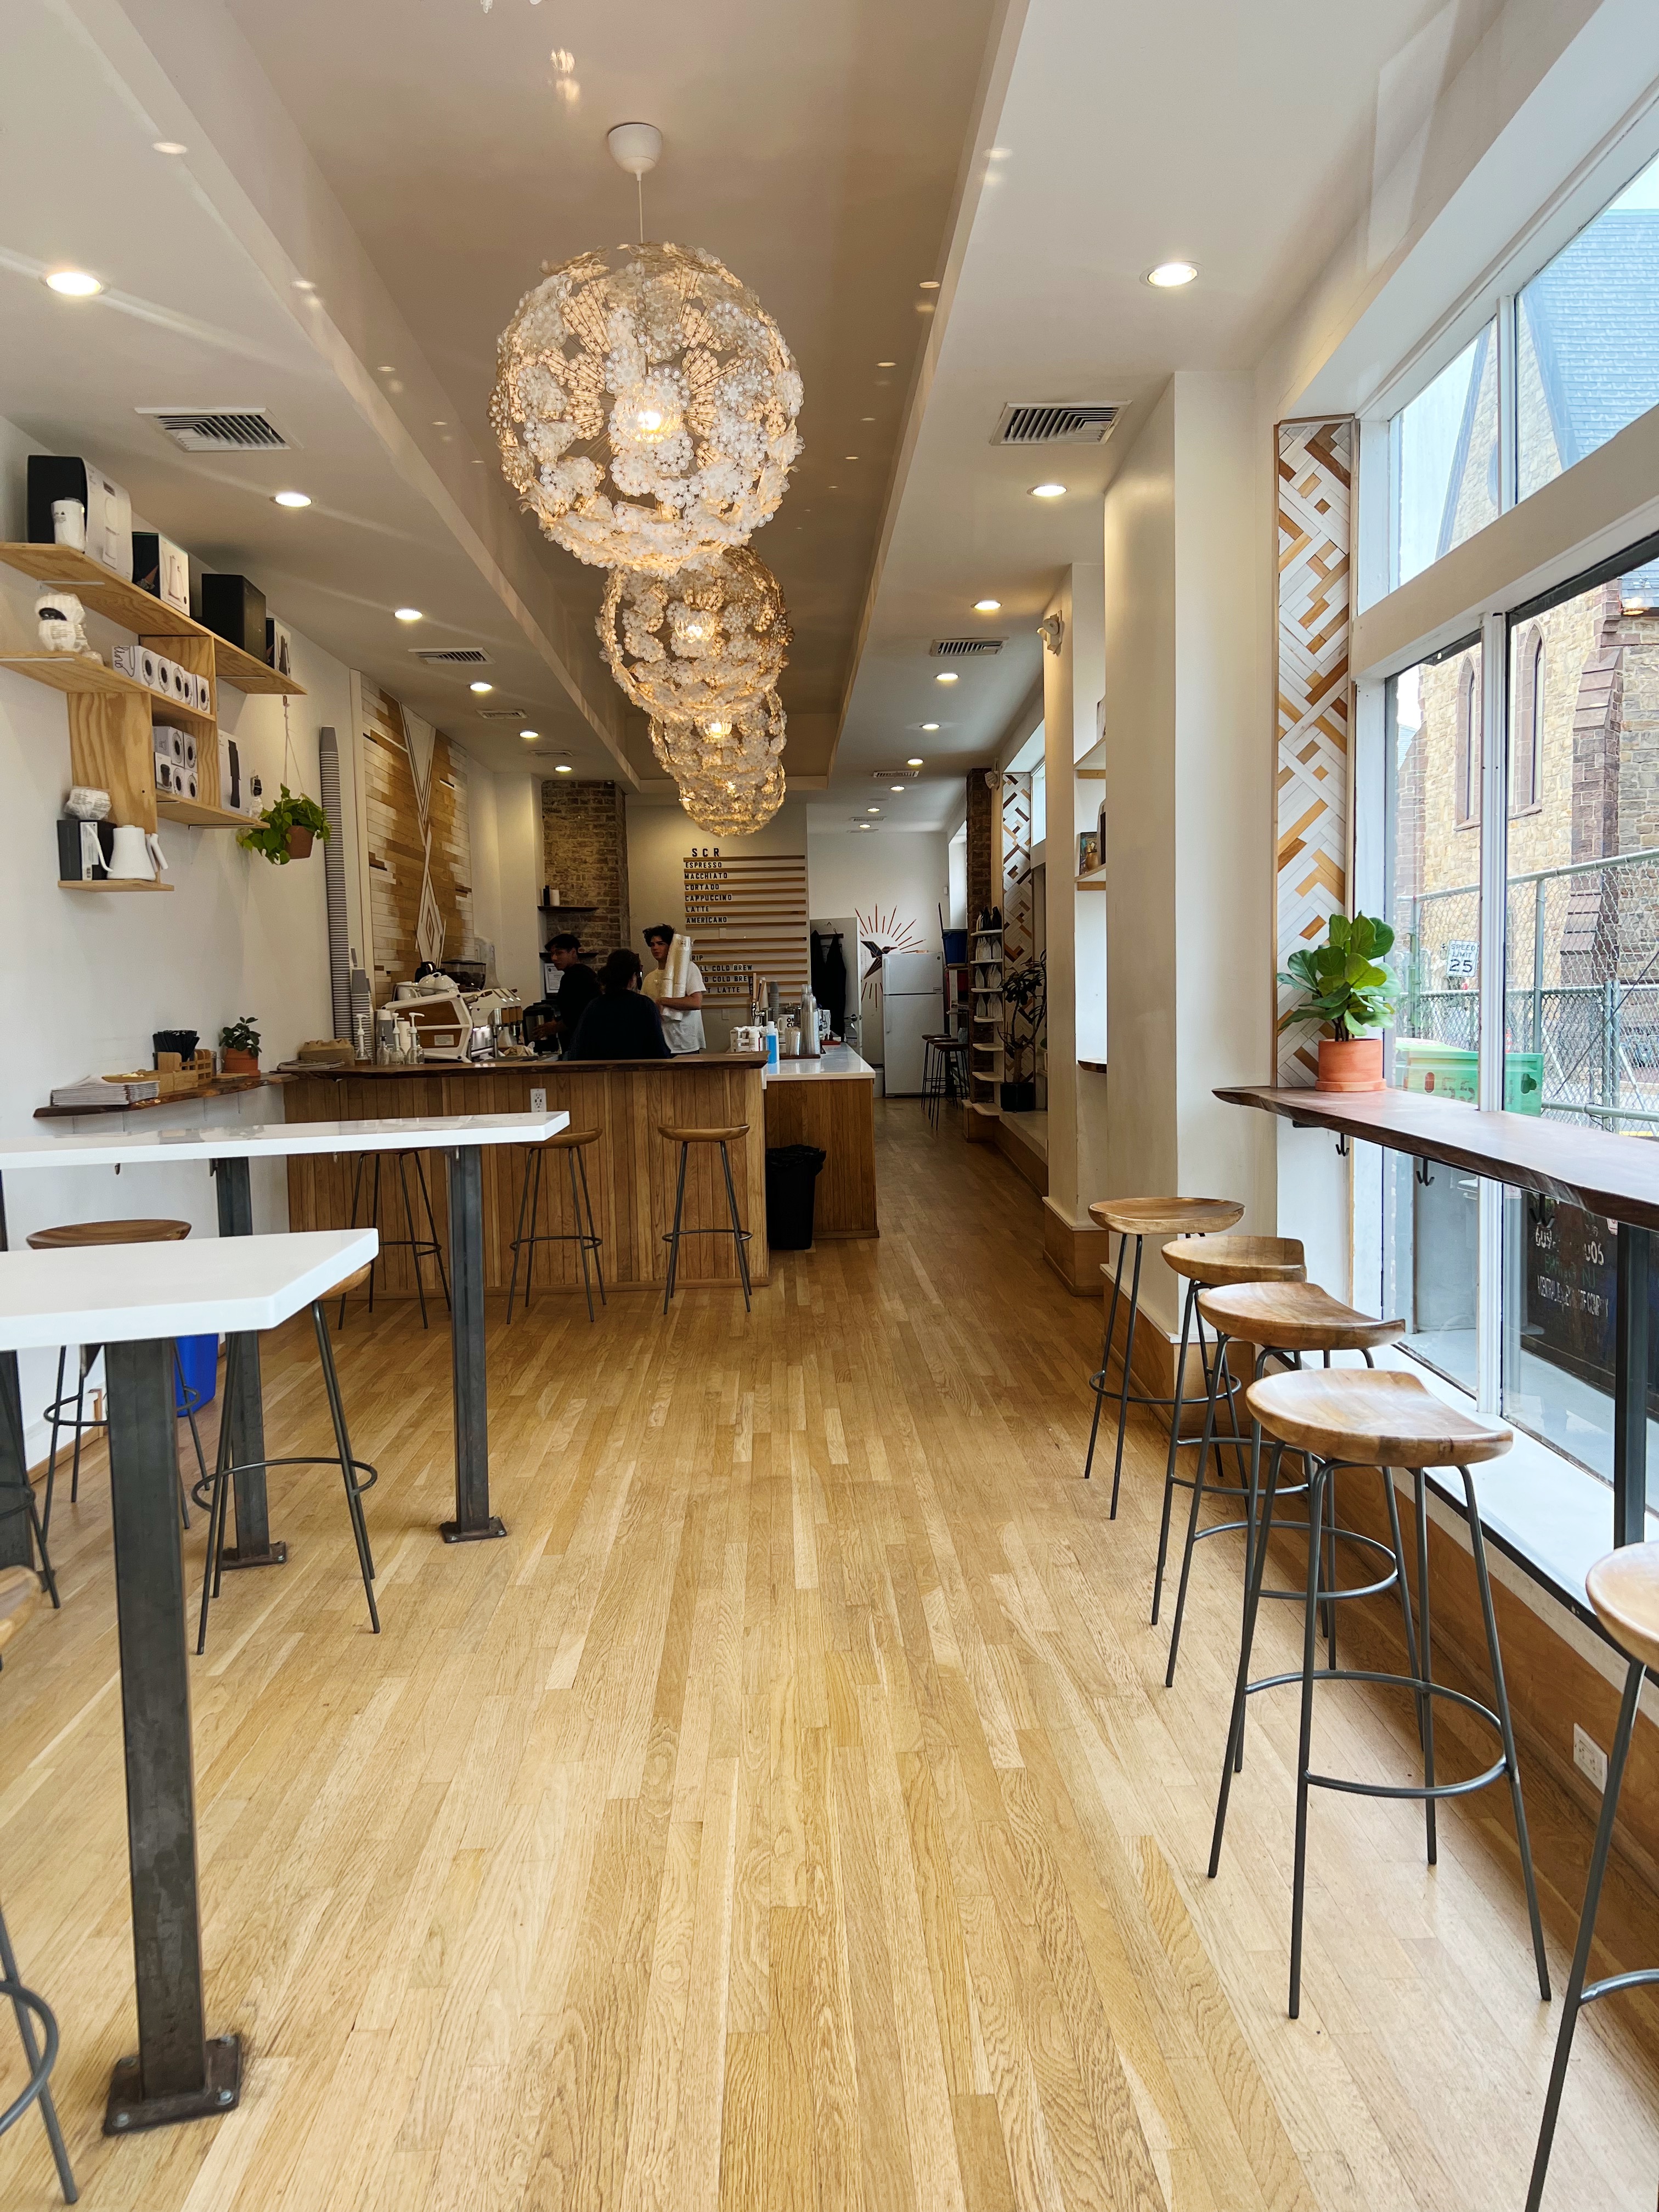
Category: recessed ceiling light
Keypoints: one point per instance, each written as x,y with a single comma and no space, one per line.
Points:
929,284
872,810
1170,275
1048,491
529,734
303,284
480,687
886,364
169,146
407,614
439,424
562,768
915,761
945,676
988,607
74,284
292,498
896,786
866,418
930,726
849,457
386,368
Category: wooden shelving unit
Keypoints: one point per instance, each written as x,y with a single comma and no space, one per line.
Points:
113,884
985,1023
1094,880
112,717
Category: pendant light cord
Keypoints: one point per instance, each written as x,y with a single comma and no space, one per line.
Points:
639,181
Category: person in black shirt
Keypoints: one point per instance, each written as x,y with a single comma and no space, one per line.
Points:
578,985
620,1024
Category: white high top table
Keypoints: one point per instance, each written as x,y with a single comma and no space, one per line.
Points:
227,1150
134,1299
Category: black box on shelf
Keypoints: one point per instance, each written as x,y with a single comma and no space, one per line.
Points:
83,850
106,507
234,609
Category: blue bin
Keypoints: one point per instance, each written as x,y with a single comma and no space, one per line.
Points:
956,948
198,1361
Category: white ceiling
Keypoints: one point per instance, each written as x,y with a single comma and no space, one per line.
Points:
415,164
1242,139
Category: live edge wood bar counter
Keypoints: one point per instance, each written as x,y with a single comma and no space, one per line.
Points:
631,1168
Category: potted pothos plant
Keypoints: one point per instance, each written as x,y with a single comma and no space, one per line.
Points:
284,832
1347,986
239,1046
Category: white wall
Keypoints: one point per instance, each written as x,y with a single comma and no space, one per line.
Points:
504,816
86,979
903,873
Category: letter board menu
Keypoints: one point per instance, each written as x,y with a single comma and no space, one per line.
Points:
746,914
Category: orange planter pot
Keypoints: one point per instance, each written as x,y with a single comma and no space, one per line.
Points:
1349,1064
239,1063
299,843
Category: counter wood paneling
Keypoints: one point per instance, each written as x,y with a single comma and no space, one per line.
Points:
829,1102
630,1169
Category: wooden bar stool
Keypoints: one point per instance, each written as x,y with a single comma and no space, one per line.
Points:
1138,1219
572,1142
1284,1320
213,1490
1624,1588
1204,1263
416,1246
20,1594
1376,1417
80,1237
685,1138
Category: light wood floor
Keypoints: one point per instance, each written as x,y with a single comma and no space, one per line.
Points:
790,1813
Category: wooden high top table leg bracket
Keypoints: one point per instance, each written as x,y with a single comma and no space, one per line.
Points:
179,2072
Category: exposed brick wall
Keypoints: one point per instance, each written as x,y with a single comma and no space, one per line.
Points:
585,857
982,805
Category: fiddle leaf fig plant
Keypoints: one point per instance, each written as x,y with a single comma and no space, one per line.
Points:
240,1035
270,834
1344,980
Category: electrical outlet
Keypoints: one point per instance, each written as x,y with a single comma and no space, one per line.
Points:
1588,1757
539,1102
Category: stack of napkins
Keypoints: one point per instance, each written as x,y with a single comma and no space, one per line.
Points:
107,1091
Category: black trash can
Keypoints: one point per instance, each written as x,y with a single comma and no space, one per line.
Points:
792,1176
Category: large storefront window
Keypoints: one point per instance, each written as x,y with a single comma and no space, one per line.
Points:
1433,860
1444,452
1581,976
1587,337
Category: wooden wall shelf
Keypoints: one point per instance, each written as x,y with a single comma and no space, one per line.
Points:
114,884
112,717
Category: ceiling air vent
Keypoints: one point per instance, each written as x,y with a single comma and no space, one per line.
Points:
965,648
891,775
467,656
1054,426
218,429
502,714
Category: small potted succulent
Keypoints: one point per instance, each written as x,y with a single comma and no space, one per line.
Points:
239,1046
1347,986
284,832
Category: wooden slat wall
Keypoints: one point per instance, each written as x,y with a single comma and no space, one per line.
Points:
630,1169
746,915
396,844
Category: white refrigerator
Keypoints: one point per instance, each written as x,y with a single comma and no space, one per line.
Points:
912,1007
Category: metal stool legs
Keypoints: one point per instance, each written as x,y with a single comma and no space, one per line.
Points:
418,1246
586,1240
356,1476
1097,1381
1579,1992
737,1233
1419,1681
27,2008
78,1424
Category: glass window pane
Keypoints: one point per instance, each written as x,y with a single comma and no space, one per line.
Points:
1433,899
1587,354
1446,449
1582,978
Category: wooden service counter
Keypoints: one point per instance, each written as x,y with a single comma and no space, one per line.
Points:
831,1102
631,1169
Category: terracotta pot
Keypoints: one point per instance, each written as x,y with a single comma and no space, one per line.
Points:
1349,1064
232,1062
299,843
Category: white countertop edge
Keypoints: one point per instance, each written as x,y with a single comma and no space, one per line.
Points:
278,1140
837,1063
128,1293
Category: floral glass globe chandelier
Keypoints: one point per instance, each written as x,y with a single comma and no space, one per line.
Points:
734,806
742,741
694,643
645,407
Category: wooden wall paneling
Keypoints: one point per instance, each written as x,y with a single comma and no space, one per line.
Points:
111,749
1312,769
746,915
420,856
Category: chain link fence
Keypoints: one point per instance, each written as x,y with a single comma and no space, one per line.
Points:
1582,983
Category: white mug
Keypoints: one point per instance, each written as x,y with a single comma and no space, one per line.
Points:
69,524
130,860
